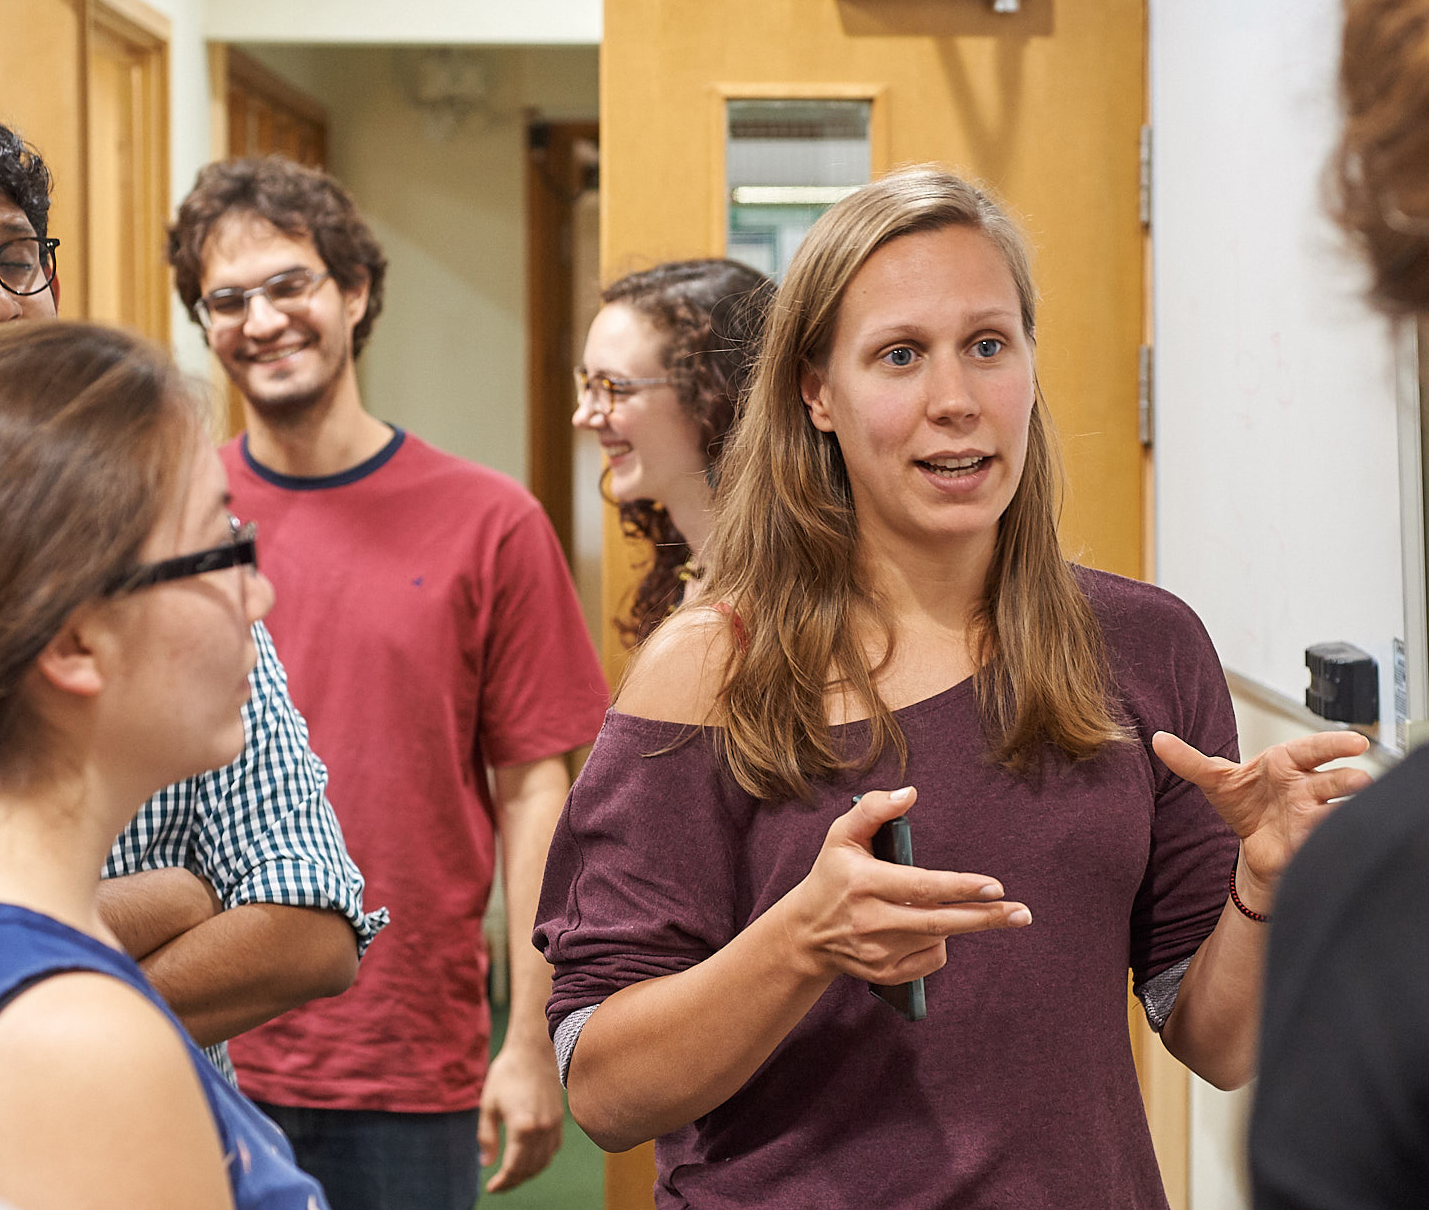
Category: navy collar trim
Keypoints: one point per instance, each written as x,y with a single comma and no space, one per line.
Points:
314,483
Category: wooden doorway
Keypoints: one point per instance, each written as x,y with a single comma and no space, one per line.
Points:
86,82
128,167
1045,104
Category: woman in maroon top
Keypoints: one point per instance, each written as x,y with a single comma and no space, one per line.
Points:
891,608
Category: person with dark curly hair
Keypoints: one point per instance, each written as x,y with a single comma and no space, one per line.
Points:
1341,1114
660,380
436,646
29,287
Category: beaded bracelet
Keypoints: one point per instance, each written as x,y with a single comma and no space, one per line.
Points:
1258,917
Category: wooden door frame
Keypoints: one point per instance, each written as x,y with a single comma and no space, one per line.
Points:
552,183
145,32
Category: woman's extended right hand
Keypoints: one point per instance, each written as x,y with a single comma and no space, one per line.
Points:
856,915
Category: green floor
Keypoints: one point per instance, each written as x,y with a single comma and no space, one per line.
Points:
575,1179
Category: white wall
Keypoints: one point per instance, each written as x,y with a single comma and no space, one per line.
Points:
189,144
1271,375
492,22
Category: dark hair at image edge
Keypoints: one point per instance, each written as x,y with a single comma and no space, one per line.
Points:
298,201
96,427
783,552
711,312
25,180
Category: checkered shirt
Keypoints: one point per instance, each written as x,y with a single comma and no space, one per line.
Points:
259,830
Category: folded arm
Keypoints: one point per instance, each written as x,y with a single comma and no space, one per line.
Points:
248,964
283,921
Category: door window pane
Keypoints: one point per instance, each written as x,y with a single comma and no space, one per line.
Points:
786,162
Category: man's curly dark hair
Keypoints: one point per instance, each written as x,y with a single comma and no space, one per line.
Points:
25,180
298,201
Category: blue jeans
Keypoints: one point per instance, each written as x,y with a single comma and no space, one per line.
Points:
371,1160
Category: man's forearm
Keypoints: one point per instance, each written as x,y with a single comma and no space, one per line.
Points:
250,963
528,806
149,909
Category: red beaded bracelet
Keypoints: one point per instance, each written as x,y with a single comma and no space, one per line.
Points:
1258,917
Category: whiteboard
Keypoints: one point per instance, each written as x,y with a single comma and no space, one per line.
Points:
1282,403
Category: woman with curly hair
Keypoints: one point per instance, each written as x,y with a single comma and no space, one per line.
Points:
665,363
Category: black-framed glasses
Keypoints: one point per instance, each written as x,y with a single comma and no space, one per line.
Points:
287,291
241,550
27,264
607,391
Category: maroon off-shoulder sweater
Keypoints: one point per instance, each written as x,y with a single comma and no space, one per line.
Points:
1018,1090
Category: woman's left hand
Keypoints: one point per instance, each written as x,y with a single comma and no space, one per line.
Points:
1275,800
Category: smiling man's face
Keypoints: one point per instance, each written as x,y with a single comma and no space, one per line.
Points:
283,362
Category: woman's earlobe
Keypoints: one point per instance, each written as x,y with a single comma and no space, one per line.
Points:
811,389
68,663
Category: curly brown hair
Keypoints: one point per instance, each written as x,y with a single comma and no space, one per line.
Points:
712,311
1378,177
298,201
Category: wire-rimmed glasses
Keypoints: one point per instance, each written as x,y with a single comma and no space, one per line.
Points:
606,391
287,291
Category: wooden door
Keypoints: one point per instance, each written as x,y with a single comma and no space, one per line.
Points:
127,178
87,84
42,86
267,115
1045,104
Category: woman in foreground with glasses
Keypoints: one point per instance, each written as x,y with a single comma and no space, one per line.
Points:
127,593
887,605
664,365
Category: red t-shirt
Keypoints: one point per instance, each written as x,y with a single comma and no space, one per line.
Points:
430,630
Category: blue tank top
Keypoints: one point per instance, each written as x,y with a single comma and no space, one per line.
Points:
261,1170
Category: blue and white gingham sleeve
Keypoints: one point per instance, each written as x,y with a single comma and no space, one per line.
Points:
264,830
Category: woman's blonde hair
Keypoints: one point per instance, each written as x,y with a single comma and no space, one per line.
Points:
783,550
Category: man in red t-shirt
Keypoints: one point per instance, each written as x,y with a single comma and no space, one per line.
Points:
434,643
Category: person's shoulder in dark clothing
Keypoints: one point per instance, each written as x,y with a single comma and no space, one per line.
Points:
1341,1115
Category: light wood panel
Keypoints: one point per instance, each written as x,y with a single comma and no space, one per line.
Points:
554,174
128,167
87,84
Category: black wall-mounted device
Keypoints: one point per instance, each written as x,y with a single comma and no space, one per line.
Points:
1344,683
